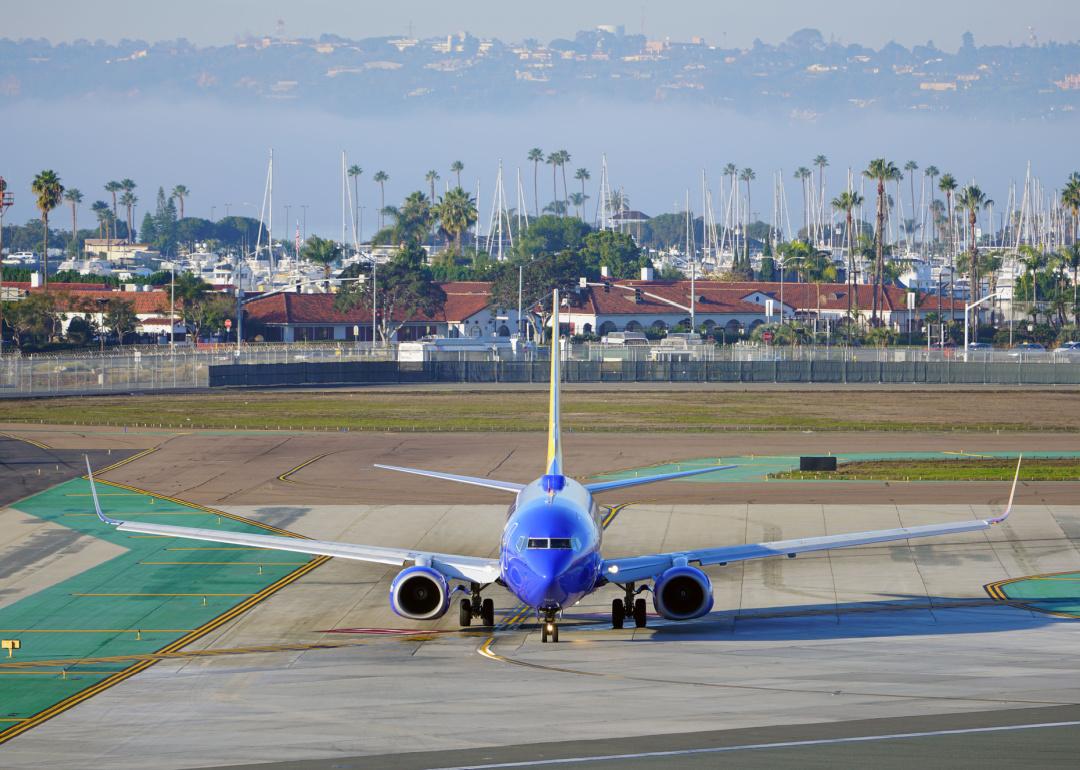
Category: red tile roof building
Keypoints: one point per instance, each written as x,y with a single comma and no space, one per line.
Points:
636,305
288,317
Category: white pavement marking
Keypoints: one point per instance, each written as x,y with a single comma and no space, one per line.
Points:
752,746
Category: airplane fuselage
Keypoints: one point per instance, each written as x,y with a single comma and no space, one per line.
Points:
550,552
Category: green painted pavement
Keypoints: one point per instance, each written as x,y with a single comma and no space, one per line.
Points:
754,468
1057,593
58,622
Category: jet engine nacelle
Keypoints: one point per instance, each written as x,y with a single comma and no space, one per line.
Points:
683,593
419,593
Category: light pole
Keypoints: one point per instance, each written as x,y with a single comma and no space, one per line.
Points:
967,309
6,201
305,208
102,304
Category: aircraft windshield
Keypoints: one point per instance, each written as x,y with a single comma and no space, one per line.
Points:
549,543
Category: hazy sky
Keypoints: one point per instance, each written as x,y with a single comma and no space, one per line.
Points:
872,22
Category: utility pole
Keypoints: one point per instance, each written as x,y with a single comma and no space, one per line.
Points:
172,306
6,201
305,208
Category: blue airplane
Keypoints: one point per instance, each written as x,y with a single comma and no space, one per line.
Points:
550,554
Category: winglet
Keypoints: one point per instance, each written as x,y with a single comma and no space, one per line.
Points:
1012,494
93,493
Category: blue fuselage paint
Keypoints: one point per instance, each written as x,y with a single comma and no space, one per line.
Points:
552,578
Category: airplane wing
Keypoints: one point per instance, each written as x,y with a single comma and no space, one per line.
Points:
505,486
470,568
634,568
604,486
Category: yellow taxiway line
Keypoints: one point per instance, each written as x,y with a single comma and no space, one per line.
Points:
285,476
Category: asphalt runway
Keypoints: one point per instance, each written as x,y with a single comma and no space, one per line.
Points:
864,643
28,465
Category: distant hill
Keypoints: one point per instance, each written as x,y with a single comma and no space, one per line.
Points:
804,75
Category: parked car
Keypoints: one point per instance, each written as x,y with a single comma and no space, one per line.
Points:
1069,351
980,346
1027,350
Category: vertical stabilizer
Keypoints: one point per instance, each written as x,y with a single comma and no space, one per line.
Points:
554,453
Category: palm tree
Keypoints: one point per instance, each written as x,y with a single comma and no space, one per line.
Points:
553,160
1072,254
1070,196
457,213
802,173
128,186
354,171
113,188
323,252
381,178
821,162
582,175
881,171
932,172
971,199
947,185
180,192
431,177
413,219
101,211
536,155
128,200
456,168
747,175
578,199
564,158
74,197
847,202
911,167
49,192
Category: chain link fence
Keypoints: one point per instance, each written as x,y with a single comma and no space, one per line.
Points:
159,368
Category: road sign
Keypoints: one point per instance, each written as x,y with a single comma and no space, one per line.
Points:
767,336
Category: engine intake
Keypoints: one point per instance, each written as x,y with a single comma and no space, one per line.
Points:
419,593
683,593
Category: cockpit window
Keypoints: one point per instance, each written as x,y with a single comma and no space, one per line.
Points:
548,543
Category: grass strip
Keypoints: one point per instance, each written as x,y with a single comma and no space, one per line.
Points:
945,469
607,411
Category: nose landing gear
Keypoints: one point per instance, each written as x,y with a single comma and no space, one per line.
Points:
549,629
476,607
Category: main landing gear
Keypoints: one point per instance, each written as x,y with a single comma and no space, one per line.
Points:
476,607
629,607
549,630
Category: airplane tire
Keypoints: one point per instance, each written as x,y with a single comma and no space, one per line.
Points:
555,634
465,612
618,613
543,634
487,612
639,613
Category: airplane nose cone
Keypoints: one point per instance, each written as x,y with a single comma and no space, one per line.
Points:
545,583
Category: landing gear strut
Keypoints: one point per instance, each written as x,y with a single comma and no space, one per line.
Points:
476,608
629,607
549,630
